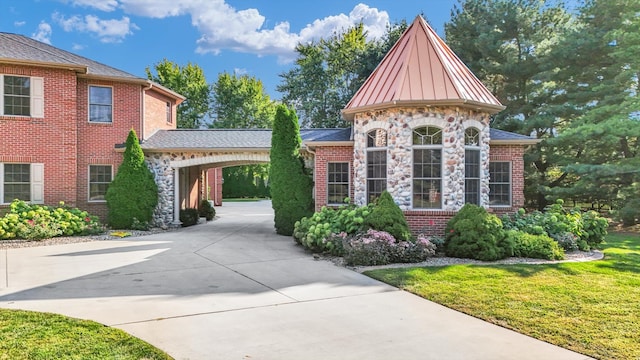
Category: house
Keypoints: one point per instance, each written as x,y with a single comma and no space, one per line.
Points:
420,130
60,117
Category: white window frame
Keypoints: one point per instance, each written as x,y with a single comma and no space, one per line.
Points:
89,182
510,204
36,183
348,180
427,147
169,111
381,149
36,96
89,104
478,149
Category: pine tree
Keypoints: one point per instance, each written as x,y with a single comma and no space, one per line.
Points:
133,193
291,186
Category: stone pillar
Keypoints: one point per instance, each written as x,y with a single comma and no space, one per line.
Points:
359,162
453,167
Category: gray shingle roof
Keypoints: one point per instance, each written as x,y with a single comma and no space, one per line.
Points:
21,48
212,139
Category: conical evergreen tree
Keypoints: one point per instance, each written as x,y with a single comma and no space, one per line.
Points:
291,186
133,193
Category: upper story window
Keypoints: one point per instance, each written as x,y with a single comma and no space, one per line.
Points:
376,163
100,104
472,166
21,96
169,113
427,168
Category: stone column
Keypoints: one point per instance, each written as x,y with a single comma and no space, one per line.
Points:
453,159
176,197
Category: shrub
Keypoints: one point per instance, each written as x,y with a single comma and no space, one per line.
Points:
375,247
189,217
206,210
473,233
36,222
589,227
567,241
387,216
630,213
291,186
312,232
535,246
133,193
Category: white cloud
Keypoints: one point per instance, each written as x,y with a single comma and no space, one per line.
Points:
19,23
77,47
223,27
43,33
109,31
240,71
102,5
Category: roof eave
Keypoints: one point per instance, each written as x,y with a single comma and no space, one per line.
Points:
328,143
515,142
81,69
161,150
349,114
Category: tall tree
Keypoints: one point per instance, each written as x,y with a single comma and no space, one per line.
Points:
190,82
291,186
133,193
598,67
508,44
328,72
241,102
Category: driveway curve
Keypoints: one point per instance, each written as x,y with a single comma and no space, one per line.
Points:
233,289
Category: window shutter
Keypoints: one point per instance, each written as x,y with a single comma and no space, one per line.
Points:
37,97
37,183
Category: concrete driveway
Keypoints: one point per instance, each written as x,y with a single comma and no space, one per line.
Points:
233,289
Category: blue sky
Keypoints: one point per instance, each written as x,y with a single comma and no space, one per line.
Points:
243,36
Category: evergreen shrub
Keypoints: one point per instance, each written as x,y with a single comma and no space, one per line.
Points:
535,246
475,234
189,217
206,210
387,216
133,193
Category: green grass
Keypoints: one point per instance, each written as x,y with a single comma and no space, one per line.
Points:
34,335
592,308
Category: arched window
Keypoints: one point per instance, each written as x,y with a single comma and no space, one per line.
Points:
472,166
427,168
376,163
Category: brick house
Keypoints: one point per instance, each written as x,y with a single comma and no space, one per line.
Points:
60,117
420,130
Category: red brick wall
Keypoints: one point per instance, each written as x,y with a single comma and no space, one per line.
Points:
155,107
515,155
325,155
96,141
428,222
50,140
215,185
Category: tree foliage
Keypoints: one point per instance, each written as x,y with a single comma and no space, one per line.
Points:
241,102
133,193
190,82
568,78
291,186
328,72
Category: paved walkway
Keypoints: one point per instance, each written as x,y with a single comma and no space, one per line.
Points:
233,289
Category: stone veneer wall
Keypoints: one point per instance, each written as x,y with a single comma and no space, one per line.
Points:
399,124
162,165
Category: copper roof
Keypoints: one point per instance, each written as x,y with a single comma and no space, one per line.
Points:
419,70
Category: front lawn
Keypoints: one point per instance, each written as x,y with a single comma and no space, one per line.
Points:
34,335
592,308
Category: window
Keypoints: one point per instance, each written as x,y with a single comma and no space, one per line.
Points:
472,166
376,164
99,179
169,113
21,181
427,168
500,184
100,104
337,182
21,96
